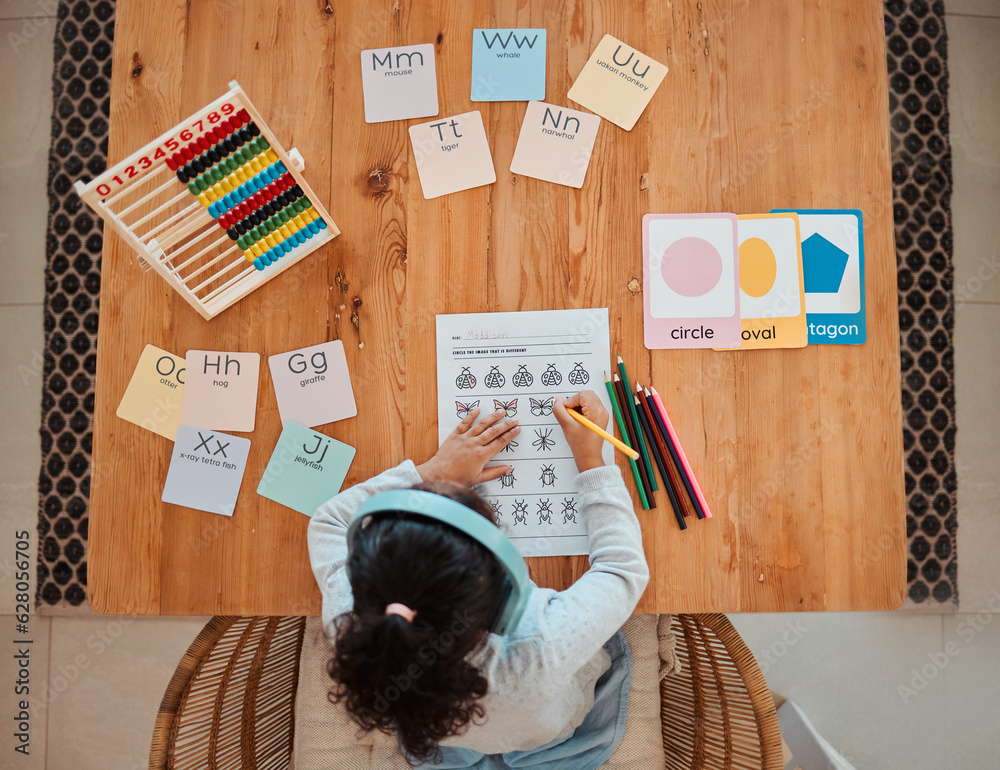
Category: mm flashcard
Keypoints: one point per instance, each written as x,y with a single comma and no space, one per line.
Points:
508,65
617,82
452,154
555,144
155,393
206,470
399,83
690,281
221,390
312,384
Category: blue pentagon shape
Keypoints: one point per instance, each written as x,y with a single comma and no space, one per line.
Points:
823,265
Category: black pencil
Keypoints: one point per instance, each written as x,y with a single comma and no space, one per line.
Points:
633,435
677,462
655,451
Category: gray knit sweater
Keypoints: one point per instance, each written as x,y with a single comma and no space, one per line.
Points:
542,675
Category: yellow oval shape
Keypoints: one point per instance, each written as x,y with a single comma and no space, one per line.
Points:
758,267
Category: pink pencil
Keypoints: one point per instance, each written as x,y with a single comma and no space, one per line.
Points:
680,452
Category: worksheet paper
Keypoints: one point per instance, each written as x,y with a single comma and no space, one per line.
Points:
520,362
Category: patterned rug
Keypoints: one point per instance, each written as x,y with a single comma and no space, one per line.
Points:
917,58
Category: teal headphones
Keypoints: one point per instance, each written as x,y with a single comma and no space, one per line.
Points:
517,585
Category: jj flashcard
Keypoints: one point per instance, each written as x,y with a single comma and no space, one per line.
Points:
306,469
312,384
206,470
221,390
508,65
399,83
155,393
617,82
452,154
555,144
690,281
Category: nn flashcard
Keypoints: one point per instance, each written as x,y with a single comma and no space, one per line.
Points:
221,390
555,144
399,83
206,470
312,384
155,393
452,154
690,281
508,65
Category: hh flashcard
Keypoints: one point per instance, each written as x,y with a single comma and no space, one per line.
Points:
206,470
306,469
690,281
833,265
312,384
221,390
555,144
508,65
452,154
399,83
772,298
155,393
617,82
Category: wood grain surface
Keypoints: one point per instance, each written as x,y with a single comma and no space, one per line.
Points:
776,104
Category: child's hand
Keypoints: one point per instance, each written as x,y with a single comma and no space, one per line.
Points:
584,443
469,447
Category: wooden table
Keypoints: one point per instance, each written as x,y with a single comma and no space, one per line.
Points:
776,104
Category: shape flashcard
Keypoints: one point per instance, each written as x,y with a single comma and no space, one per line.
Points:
555,144
833,264
617,82
399,83
508,65
312,384
306,469
206,470
221,390
155,393
772,293
452,154
690,281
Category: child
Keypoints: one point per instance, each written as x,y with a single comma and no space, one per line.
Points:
408,612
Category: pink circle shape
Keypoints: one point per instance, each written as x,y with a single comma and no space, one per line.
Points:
691,267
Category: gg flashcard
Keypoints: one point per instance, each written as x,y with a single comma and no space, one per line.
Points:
452,154
508,65
772,292
312,384
399,83
155,393
555,144
221,390
617,82
690,281
833,265
206,470
306,469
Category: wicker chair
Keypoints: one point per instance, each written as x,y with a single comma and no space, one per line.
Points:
230,704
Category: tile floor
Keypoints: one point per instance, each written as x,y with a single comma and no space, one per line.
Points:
889,690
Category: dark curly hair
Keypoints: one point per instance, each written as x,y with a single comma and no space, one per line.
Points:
412,679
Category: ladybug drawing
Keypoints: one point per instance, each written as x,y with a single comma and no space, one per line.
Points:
544,511
551,377
497,512
522,377
569,510
510,407
520,512
507,480
462,410
494,379
466,380
548,477
579,375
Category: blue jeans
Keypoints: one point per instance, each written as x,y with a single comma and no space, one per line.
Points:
588,746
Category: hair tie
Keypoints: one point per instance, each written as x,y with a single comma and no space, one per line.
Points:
402,610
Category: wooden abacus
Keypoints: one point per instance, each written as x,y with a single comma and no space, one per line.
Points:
230,213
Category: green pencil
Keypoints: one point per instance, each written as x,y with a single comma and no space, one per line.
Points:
635,421
624,435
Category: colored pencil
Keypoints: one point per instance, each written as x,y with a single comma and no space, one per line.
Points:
635,421
654,450
697,497
672,477
634,437
672,451
621,429
603,434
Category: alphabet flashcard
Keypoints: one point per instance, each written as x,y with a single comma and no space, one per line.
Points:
221,390
206,470
399,83
617,82
452,154
312,384
155,393
508,65
555,144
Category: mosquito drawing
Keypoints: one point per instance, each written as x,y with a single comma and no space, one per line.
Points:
544,442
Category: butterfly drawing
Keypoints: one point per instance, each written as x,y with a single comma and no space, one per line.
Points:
510,407
462,410
541,408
